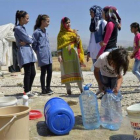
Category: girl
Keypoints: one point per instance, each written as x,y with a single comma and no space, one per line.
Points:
112,66
135,28
97,29
25,53
70,55
42,48
113,19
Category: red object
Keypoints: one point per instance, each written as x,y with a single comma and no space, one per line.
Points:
35,114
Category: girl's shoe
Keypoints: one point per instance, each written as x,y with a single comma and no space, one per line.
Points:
69,92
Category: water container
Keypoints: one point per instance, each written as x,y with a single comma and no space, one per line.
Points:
111,113
89,109
59,117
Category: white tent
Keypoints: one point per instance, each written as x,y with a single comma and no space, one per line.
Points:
6,39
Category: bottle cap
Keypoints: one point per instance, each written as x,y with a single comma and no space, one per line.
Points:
86,88
108,91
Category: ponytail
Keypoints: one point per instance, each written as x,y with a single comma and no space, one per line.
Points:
39,19
16,17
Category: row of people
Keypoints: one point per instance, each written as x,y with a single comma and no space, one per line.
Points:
109,66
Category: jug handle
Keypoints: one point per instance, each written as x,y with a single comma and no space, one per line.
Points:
8,123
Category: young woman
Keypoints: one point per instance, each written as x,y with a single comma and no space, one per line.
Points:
96,28
112,65
25,53
70,55
42,48
113,19
135,28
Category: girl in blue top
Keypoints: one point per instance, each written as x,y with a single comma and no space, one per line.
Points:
25,54
42,48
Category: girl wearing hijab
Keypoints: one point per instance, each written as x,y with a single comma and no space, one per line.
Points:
109,43
70,55
97,29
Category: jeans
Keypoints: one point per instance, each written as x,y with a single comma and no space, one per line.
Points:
29,75
108,82
136,68
45,68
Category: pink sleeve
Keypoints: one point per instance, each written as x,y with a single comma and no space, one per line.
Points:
109,30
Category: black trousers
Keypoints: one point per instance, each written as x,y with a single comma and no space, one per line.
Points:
29,75
45,68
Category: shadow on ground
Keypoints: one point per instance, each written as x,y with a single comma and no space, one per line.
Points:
122,137
78,123
17,95
43,130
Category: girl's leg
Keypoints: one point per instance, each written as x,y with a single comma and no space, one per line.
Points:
80,86
32,76
49,76
68,88
136,68
27,74
42,77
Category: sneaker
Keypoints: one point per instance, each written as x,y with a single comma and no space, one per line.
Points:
98,92
100,95
43,92
29,94
49,91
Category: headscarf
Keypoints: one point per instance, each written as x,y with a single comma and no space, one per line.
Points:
68,37
97,16
111,13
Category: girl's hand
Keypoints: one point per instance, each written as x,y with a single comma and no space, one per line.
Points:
22,43
116,90
69,49
102,44
60,59
132,56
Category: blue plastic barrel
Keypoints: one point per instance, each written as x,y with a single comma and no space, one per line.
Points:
59,117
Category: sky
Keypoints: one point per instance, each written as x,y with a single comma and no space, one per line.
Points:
76,10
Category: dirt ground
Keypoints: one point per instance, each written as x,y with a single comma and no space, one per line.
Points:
11,85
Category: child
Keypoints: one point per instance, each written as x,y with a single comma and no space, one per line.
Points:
112,66
135,28
42,48
97,29
113,19
25,53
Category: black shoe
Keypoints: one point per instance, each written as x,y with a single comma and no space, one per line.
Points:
43,92
49,91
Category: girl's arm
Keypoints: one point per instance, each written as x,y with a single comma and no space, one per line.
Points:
23,36
119,83
109,30
135,50
97,77
35,40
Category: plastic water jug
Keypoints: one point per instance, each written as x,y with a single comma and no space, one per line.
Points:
89,109
111,113
59,117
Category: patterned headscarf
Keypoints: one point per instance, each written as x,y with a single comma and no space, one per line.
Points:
97,16
68,37
111,12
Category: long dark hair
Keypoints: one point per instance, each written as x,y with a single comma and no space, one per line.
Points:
120,59
39,19
135,25
18,16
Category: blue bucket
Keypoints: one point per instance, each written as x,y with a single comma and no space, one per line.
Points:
59,117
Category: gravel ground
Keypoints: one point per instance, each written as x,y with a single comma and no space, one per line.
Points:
11,85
